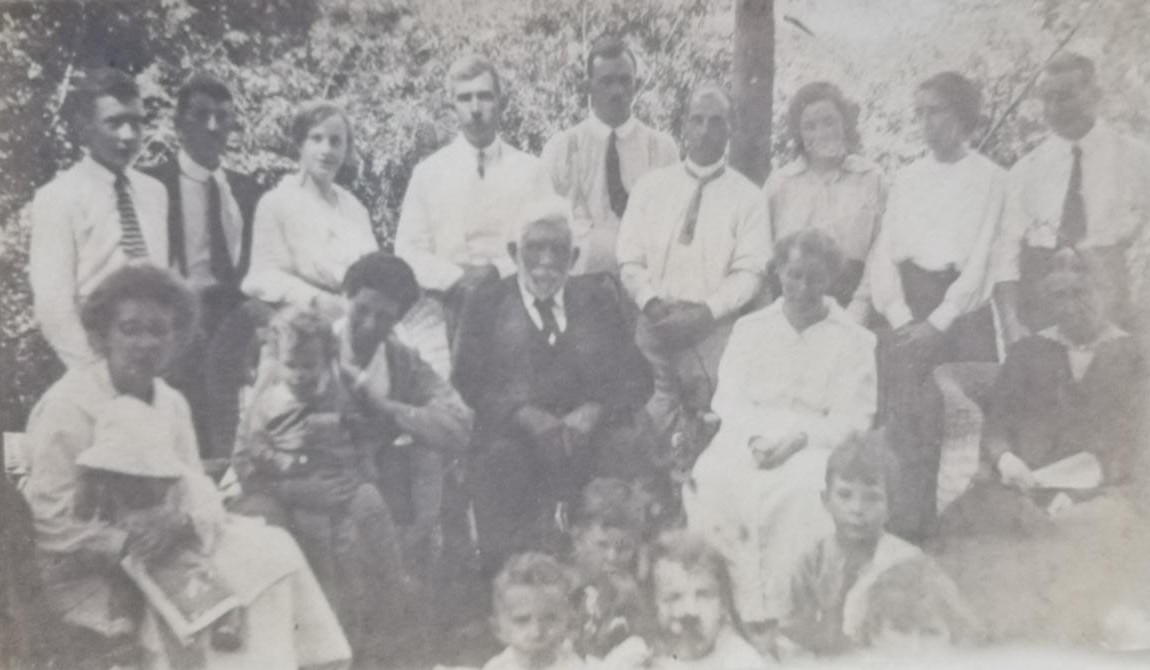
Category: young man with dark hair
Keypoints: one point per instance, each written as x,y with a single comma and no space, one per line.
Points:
596,163
96,216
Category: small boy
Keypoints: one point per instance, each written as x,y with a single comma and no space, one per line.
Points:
605,544
828,589
532,615
300,469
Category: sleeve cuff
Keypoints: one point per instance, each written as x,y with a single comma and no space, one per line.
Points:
718,307
898,315
943,316
644,295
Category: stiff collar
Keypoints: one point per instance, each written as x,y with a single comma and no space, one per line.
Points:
835,315
97,171
852,163
1088,142
623,131
529,298
491,153
703,171
196,172
1109,333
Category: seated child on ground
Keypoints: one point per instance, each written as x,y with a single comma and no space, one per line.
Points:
299,468
129,478
532,615
829,587
606,539
696,625
915,609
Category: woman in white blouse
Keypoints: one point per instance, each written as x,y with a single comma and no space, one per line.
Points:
308,230
796,379
930,276
828,186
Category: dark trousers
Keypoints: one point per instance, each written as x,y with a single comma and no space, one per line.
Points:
910,402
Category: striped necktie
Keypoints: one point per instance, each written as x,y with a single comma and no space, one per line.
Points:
688,233
131,237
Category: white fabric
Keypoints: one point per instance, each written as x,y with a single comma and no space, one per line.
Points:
576,159
194,205
889,552
76,244
509,660
725,263
939,216
731,652
303,245
559,309
772,379
452,217
1115,187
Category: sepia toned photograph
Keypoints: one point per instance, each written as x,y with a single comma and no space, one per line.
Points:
574,334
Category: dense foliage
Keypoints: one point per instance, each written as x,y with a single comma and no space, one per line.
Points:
385,60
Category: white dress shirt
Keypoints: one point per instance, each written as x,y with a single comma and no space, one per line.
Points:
558,309
576,160
847,204
722,267
76,244
302,245
452,217
939,216
194,203
1115,187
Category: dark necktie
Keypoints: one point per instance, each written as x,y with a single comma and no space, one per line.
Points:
1073,227
687,235
219,254
615,190
546,309
480,166
131,237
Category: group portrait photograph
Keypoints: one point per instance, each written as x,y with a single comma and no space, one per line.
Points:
574,334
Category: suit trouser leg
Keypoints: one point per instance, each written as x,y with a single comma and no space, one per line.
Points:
686,377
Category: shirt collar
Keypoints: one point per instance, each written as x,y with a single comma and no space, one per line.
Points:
1087,142
529,299
702,172
193,170
623,131
835,315
491,152
852,163
1109,333
96,170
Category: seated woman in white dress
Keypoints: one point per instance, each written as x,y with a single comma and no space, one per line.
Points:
135,319
796,379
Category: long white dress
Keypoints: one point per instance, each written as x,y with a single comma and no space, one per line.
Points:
774,380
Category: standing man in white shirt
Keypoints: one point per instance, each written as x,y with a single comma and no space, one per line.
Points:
96,216
210,210
693,250
1085,187
596,163
455,212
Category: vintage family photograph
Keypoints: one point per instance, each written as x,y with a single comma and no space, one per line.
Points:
560,334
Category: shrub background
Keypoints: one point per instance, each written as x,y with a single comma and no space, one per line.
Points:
385,61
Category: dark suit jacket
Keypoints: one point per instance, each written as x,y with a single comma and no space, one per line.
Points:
244,189
503,362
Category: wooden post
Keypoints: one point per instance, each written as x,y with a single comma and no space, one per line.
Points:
754,79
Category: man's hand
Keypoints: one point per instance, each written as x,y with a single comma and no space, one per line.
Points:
771,453
153,534
684,323
581,422
320,492
1015,473
919,336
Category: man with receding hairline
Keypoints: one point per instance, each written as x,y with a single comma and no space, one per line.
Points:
693,250
596,163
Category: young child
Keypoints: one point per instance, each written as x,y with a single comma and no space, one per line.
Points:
912,609
300,468
130,478
605,544
829,587
532,615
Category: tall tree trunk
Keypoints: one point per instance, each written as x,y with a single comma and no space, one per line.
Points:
754,79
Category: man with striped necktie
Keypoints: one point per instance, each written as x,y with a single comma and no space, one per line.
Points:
96,216
693,250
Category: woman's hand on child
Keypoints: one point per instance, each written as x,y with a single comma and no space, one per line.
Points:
770,453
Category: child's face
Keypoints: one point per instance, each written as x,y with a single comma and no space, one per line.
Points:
690,609
859,509
532,620
928,637
601,549
303,366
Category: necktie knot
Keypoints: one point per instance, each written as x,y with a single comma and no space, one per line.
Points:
692,218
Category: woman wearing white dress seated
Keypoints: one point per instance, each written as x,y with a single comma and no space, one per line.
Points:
135,320
796,379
